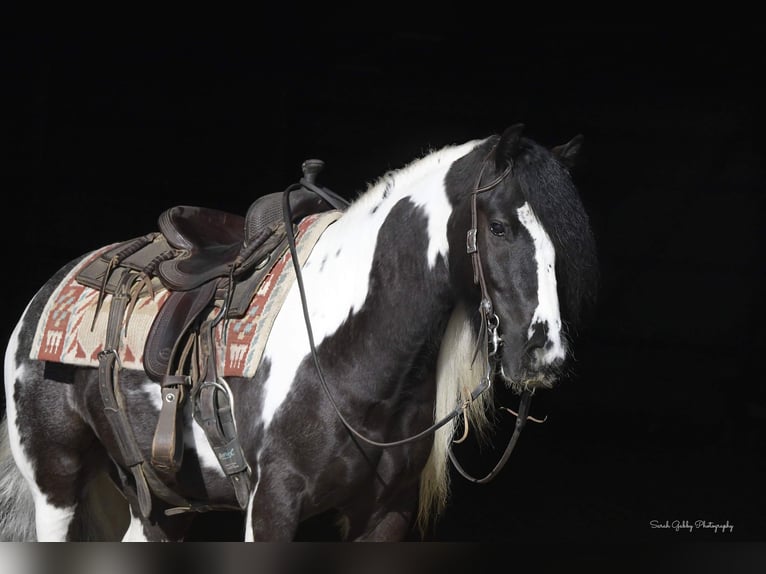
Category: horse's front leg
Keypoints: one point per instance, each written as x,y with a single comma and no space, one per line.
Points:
391,523
393,526
274,510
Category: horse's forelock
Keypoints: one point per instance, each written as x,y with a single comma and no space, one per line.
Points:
551,193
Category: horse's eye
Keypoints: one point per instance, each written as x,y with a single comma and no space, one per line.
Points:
497,228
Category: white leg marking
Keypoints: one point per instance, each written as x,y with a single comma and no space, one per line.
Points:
336,276
547,311
249,535
52,523
135,531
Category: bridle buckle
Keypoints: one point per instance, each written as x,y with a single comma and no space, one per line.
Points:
470,241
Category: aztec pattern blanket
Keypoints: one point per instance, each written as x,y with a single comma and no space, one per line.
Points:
64,333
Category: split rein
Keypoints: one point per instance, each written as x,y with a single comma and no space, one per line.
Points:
488,341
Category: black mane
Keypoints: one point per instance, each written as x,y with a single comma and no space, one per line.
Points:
548,187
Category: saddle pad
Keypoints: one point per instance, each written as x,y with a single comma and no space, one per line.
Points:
64,332
246,337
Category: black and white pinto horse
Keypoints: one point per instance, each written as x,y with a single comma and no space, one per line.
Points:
396,312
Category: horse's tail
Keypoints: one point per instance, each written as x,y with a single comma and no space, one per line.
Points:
456,376
17,508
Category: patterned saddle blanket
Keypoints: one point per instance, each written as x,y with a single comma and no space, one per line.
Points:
71,330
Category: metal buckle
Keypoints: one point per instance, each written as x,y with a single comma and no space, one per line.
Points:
494,340
471,246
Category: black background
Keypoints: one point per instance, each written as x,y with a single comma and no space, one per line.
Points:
664,417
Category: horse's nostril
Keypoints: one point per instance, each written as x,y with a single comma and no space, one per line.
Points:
556,364
538,338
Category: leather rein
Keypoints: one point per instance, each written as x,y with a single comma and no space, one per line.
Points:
488,341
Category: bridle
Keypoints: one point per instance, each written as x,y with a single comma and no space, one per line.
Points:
489,339
488,342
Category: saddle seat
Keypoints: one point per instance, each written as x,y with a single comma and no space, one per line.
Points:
213,245
207,240
210,241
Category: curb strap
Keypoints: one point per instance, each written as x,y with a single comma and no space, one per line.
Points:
521,420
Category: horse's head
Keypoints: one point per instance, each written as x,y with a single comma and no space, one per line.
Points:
533,259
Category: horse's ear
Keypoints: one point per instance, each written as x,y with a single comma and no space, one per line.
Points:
569,151
508,146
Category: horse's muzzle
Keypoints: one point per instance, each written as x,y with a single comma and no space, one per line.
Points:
529,373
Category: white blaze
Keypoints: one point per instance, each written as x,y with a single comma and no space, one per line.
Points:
547,311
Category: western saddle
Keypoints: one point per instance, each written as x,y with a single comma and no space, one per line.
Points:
211,262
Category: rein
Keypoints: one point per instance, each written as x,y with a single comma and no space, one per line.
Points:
483,385
488,333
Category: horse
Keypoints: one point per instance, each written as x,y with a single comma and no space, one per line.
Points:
467,268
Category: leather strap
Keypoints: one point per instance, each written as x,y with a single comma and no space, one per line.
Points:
167,446
482,386
213,412
488,337
472,240
521,420
108,379
173,321
114,408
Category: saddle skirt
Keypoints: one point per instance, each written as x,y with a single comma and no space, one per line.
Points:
66,332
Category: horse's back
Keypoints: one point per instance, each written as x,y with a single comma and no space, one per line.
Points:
18,360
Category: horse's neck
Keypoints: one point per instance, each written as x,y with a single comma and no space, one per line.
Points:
388,253
421,183
414,180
